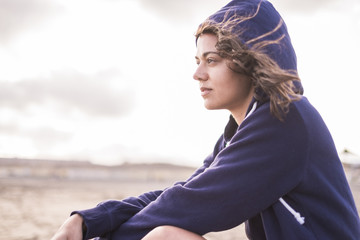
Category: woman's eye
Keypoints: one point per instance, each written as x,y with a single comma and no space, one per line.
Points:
210,60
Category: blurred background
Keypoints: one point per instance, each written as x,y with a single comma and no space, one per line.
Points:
110,81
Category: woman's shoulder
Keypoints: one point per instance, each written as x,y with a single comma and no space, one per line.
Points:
300,111
304,110
299,120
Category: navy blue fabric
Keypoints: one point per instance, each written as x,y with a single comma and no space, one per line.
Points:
265,160
265,21
259,25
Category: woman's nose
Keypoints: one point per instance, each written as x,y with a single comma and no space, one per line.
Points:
200,74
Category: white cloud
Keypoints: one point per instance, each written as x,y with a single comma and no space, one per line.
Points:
19,15
99,95
183,12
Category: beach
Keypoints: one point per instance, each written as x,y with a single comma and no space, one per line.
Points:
36,197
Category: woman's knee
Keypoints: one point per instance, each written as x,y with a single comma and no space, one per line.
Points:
171,233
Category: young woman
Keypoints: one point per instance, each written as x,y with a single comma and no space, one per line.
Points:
275,167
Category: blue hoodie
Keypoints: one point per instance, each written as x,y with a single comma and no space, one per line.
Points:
283,179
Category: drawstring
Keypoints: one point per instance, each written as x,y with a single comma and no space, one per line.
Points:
253,108
297,215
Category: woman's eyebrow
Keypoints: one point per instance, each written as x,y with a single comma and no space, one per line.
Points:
204,55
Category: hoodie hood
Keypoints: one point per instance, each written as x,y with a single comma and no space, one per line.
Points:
266,24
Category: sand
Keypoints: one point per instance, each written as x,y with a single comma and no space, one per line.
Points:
33,208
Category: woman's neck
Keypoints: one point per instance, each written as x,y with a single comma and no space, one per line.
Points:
239,113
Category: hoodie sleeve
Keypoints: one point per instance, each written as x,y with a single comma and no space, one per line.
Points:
109,215
265,159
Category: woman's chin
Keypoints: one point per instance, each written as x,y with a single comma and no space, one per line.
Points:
209,106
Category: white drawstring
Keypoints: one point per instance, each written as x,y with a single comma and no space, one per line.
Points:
252,110
297,215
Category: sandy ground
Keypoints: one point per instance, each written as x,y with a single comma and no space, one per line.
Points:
33,209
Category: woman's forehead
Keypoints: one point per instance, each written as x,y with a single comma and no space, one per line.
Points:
206,42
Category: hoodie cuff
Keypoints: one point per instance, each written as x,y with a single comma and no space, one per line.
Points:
96,221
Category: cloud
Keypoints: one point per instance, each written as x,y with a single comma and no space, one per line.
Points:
98,95
42,137
17,15
182,12
304,6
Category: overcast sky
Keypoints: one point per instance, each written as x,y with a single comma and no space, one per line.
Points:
111,80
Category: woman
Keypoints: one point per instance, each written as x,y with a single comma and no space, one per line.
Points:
275,167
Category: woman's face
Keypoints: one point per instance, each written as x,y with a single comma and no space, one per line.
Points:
220,87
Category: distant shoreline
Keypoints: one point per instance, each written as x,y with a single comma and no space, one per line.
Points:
85,170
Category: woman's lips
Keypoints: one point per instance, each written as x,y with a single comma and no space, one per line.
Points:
205,91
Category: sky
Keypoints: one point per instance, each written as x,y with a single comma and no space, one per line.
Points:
110,81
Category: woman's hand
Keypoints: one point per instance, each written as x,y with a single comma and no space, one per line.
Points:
71,229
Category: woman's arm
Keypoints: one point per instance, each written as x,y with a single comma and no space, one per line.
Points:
264,161
109,215
72,229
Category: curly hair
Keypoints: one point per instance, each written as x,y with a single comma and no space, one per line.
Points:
271,82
